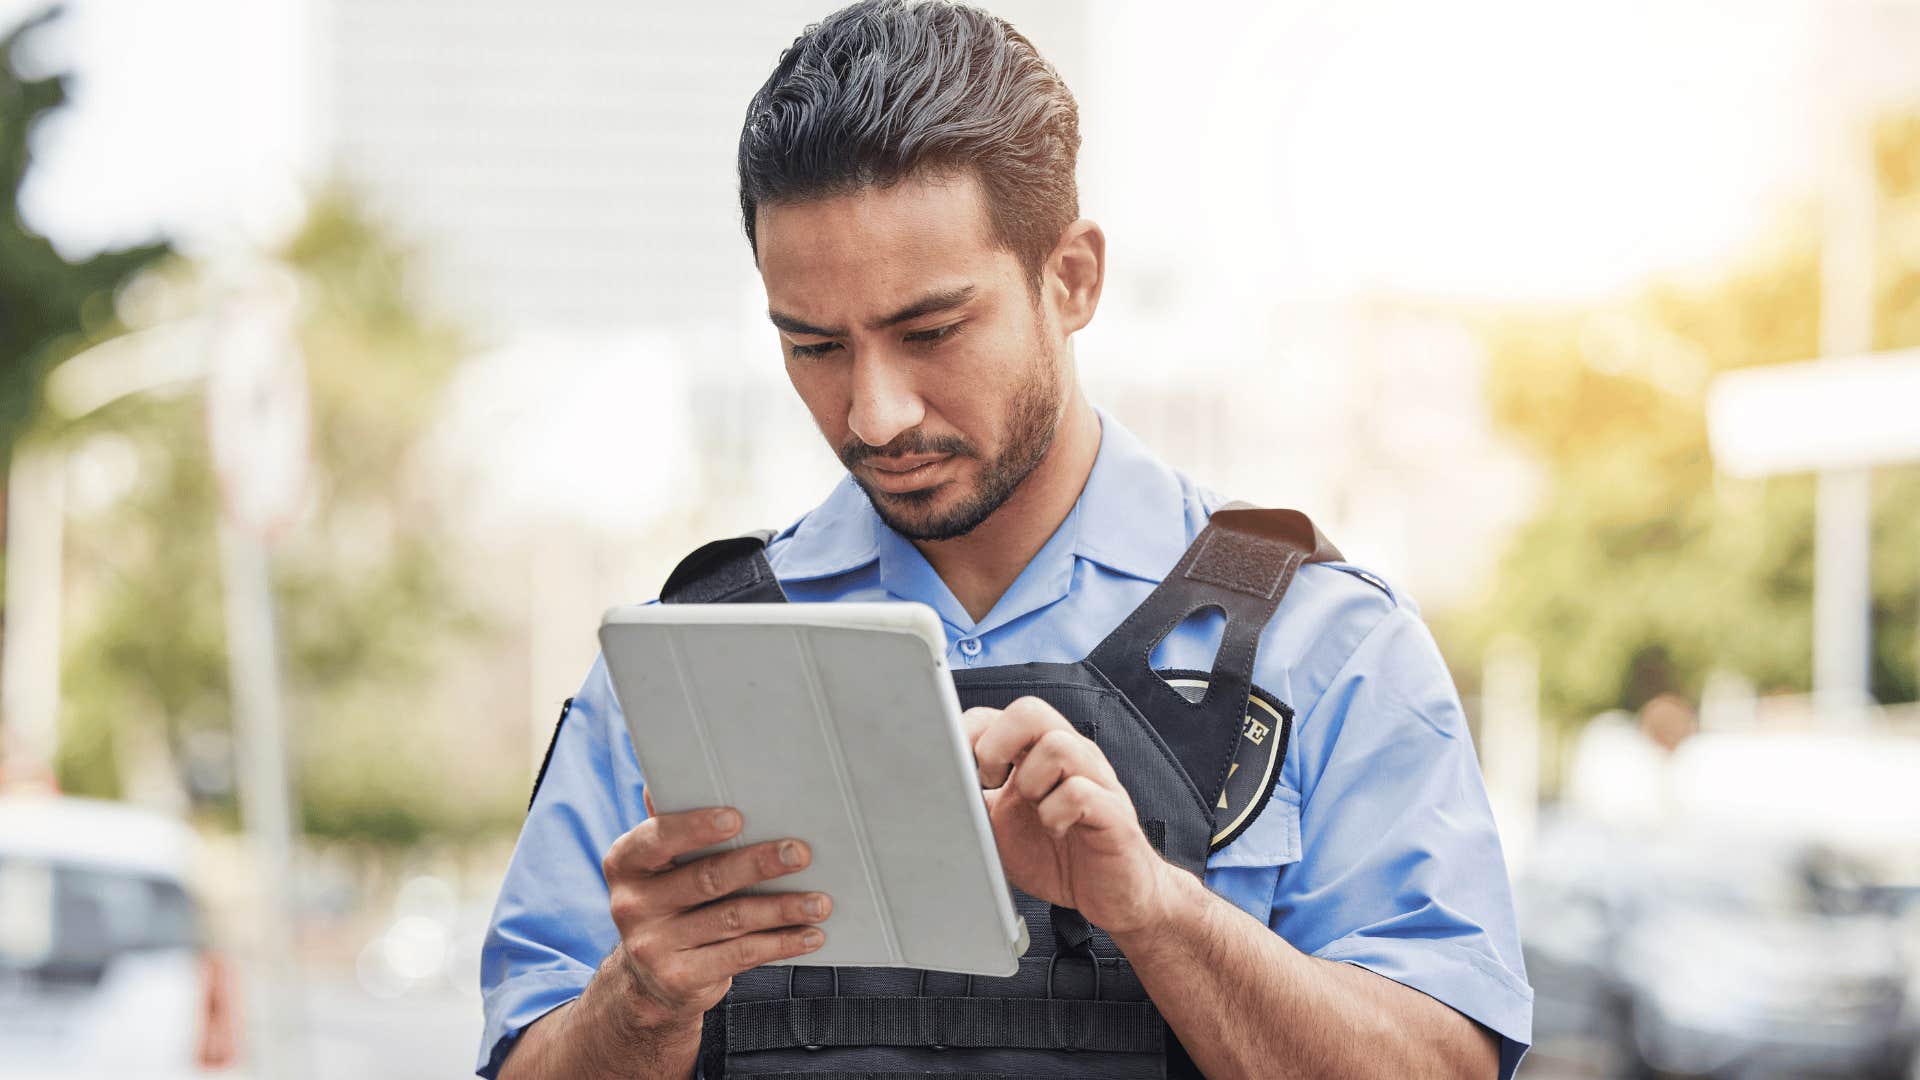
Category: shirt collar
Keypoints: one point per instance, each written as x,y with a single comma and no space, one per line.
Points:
1131,517
840,535
1133,511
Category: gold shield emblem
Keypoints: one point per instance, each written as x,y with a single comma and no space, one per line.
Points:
1261,748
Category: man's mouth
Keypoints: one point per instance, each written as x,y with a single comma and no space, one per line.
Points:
899,475
905,464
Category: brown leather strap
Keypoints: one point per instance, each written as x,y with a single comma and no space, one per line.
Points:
1242,563
731,571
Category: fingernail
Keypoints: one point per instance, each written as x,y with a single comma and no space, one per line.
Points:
726,820
790,854
812,939
815,906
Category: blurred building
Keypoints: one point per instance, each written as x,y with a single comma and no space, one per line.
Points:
571,164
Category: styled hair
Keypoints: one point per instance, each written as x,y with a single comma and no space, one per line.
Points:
884,90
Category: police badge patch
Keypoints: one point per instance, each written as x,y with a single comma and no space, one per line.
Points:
1256,759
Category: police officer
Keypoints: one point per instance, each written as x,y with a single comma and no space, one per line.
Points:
907,190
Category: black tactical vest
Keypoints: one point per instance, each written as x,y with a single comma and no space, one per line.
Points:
1197,751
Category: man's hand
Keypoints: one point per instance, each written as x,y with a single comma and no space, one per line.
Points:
684,935
1066,829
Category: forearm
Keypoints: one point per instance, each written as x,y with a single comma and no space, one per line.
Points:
1245,1003
596,1037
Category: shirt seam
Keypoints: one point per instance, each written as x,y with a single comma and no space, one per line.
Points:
1347,663
1356,943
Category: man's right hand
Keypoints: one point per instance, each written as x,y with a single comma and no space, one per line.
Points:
684,934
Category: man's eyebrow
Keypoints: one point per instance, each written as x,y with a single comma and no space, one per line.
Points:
944,300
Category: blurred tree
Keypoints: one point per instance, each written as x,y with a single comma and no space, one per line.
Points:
1643,571
367,602
50,308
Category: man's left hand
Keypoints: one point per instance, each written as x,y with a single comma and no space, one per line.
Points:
1065,826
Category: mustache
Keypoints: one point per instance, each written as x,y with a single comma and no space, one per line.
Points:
907,442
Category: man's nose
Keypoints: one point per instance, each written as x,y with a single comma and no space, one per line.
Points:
885,402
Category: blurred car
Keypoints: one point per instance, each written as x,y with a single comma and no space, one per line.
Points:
1702,954
1782,993
1571,905
104,967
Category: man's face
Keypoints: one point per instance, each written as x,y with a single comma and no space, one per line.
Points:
917,345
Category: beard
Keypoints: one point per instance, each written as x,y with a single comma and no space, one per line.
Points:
1032,416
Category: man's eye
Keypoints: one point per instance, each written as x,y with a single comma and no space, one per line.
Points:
935,335
813,350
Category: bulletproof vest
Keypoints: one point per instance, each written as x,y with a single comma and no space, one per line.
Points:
1198,752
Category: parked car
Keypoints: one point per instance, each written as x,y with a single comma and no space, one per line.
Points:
1571,906
1697,953
105,970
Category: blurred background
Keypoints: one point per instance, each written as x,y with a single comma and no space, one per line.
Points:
355,355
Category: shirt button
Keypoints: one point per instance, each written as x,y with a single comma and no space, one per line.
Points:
970,646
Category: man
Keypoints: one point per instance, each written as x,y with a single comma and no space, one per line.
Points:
907,189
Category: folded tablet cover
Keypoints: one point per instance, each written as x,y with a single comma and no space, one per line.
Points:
837,724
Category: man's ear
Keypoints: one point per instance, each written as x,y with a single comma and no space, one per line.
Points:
1074,273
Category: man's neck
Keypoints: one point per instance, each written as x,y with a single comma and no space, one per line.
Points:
980,566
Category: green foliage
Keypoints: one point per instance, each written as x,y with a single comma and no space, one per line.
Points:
153,645
366,603
1643,571
49,308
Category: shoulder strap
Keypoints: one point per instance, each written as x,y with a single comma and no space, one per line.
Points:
1241,563
730,571
553,740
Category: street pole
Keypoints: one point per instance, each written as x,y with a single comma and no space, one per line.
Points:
1510,744
30,666
1843,589
253,671
257,428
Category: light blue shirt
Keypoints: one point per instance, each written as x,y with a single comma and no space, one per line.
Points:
1377,848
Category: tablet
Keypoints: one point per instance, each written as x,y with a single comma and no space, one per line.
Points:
836,724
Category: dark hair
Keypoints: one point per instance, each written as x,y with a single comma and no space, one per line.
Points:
887,89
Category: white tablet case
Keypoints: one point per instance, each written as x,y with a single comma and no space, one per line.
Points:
837,724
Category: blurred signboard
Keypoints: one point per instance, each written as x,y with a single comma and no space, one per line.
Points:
1844,413
257,414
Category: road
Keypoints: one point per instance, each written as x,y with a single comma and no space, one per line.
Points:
416,1036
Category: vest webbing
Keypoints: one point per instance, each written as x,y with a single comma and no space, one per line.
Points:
1095,1018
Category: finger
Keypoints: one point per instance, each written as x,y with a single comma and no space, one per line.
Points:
975,721
1053,757
706,880
724,959
1080,803
1002,745
739,915
651,846
646,796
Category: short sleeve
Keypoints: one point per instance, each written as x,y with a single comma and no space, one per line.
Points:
551,925
1401,870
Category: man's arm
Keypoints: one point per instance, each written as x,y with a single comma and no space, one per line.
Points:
1245,1003
685,931
596,1036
